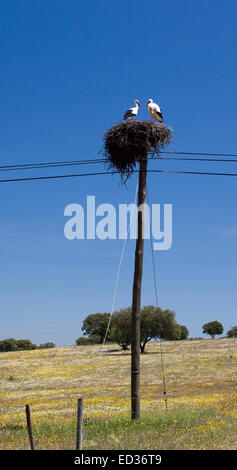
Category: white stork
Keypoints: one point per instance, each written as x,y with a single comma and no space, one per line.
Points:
132,112
154,110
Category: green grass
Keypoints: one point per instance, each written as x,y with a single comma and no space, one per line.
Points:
171,429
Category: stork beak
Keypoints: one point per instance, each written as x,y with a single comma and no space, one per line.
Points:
147,105
140,105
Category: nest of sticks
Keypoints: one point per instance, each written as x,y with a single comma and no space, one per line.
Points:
128,142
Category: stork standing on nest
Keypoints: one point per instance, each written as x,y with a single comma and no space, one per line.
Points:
132,112
154,110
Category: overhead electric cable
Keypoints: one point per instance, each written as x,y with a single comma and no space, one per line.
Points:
199,159
76,175
31,166
189,172
23,166
86,162
38,165
200,153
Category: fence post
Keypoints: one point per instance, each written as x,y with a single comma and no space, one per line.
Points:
79,424
29,427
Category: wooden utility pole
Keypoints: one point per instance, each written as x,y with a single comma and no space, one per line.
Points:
136,302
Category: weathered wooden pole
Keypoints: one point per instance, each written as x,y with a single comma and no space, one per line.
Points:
136,301
79,424
29,427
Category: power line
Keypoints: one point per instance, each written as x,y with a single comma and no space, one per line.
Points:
12,180
33,178
189,172
199,159
51,163
31,166
201,153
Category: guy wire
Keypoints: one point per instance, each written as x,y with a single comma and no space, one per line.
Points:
157,306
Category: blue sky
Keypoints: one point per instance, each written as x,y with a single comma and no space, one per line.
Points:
69,70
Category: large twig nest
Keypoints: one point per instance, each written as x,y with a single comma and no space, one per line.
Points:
128,142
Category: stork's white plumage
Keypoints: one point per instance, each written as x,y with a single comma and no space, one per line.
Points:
132,112
154,110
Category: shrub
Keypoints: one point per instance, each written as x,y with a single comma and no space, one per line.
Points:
82,341
25,344
9,344
46,346
12,344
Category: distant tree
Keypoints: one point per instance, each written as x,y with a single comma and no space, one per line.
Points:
96,325
158,323
82,341
184,332
232,333
213,328
150,324
46,346
120,331
9,344
155,323
25,344
169,329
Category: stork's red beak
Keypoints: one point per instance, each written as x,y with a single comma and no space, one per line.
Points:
147,105
140,105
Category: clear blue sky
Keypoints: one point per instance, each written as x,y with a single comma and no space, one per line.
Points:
69,70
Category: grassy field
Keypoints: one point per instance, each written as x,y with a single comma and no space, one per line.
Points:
201,383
